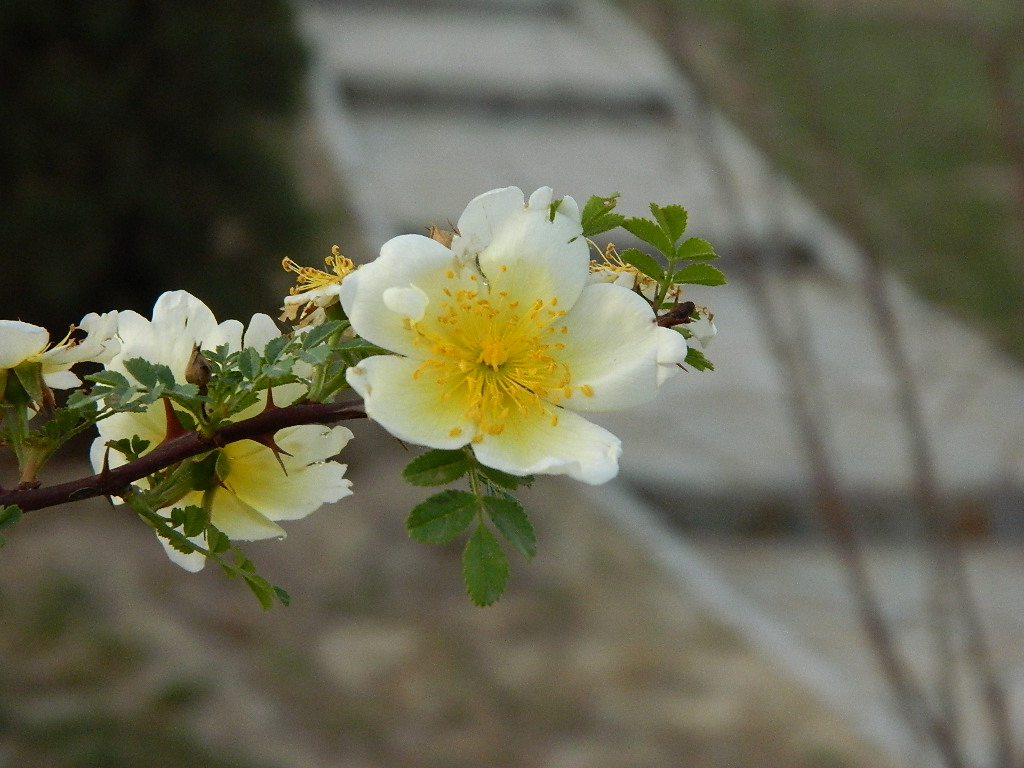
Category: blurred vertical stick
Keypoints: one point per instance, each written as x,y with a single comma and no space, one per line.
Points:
828,497
948,558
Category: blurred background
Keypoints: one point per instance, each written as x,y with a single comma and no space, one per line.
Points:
812,556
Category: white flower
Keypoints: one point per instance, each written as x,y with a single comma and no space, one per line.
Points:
500,339
257,491
26,343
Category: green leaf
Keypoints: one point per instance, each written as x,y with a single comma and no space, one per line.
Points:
442,517
112,379
484,567
275,347
165,377
30,375
360,345
178,542
436,467
644,262
696,360
512,522
598,215
505,480
10,516
650,233
138,445
262,588
696,249
203,472
318,334
283,597
672,219
193,520
216,540
249,363
699,274
143,372
125,447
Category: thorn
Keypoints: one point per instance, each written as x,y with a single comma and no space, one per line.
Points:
105,469
174,427
270,405
277,450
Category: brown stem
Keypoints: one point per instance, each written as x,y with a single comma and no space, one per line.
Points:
113,482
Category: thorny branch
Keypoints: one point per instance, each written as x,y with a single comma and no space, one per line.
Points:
113,482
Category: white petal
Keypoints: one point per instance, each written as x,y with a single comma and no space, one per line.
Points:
20,341
414,410
303,486
483,216
404,261
574,447
102,342
311,443
671,354
262,329
60,379
179,312
192,562
409,301
614,347
569,208
241,521
541,198
150,425
532,257
180,321
703,329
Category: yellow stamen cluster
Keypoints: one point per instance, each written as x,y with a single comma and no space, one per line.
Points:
497,356
310,278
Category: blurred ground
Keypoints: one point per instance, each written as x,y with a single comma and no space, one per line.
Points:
114,657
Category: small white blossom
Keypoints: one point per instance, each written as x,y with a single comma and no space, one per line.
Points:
315,289
26,343
258,489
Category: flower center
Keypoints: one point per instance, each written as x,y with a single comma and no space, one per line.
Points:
494,355
500,359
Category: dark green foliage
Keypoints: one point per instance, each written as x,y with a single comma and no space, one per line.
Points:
442,517
695,359
143,151
503,479
598,215
699,274
437,467
511,520
643,262
484,567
